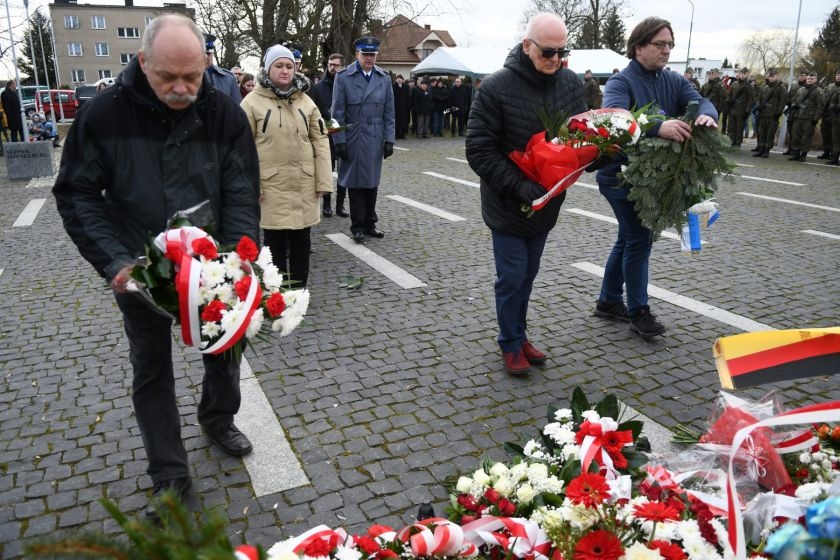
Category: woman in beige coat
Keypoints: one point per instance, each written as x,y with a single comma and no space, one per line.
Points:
294,156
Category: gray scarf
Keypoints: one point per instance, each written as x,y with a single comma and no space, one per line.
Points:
299,83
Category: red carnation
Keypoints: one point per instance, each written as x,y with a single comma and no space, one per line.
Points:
367,544
385,553
589,489
492,495
507,507
603,132
247,249
668,551
598,545
242,286
275,304
656,512
212,312
205,248
376,530
318,547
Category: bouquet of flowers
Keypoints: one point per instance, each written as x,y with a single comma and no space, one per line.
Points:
673,183
333,127
587,436
556,157
217,296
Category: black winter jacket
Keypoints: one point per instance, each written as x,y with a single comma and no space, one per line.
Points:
129,163
504,116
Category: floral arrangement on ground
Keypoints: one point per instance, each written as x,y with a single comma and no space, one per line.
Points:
583,489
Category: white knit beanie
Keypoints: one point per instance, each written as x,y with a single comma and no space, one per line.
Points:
275,52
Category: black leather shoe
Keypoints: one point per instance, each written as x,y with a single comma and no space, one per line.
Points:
358,237
327,212
177,485
373,232
230,439
342,212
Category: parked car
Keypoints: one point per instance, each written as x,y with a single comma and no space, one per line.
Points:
27,95
56,100
83,93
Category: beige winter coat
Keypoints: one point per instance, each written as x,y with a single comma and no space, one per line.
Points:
294,156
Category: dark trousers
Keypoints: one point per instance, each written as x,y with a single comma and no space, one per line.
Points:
826,131
422,122
290,250
362,209
517,264
802,134
17,132
736,128
766,134
459,121
153,389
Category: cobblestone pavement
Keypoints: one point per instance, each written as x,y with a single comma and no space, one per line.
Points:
384,392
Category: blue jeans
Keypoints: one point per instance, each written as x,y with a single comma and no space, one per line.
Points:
437,123
517,264
628,262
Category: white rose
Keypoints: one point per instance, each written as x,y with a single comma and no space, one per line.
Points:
498,469
537,471
525,493
503,486
464,484
481,478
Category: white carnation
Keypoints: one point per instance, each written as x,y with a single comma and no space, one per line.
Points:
212,273
255,324
638,551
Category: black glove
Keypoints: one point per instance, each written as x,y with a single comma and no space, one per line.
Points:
530,191
599,163
341,151
388,151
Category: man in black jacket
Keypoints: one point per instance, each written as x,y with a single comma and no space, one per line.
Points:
335,63
179,142
11,106
504,116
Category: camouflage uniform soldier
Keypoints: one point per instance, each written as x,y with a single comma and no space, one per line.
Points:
770,104
834,109
713,90
806,112
803,75
828,120
591,91
740,103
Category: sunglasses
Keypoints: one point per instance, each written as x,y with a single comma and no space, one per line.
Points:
662,44
550,53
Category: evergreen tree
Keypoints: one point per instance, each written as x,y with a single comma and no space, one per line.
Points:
612,36
726,63
825,50
39,31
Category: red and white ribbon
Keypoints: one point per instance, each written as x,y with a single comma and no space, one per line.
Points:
447,539
816,413
523,538
246,308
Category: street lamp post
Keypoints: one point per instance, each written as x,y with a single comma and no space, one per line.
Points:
690,30
44,61
24,129
32,52
783,127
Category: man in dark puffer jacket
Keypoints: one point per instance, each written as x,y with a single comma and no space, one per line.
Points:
179,142
504,116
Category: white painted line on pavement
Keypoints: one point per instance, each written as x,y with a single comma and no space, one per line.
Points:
458,160
698,307
272,465
764,179
402,149
821,234
426,208
1,272
587,185
384,266
788,201
453,179
744,165
610,219
27,217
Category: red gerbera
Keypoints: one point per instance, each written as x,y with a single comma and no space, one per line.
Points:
598,545
213,311
368,545
656,512
242,286
247,249
614,441
275,304
318,547
668,551
205,248
589,489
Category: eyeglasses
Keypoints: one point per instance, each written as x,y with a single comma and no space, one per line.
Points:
550,53
334,65
662,44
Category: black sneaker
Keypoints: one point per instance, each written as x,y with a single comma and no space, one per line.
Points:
616,311
645,324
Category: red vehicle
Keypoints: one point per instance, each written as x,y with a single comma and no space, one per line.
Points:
54,100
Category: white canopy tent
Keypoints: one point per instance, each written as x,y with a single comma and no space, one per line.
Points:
462,61
478,63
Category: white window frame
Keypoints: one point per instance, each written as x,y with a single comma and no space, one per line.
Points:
71,22
94,21
105,74
149,20
125,58
98,49
71,51
78,76
128,33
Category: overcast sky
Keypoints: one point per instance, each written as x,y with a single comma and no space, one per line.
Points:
719,27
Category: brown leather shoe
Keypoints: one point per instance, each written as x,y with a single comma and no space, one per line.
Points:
515,363
533,355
